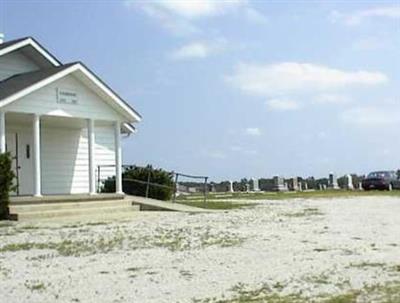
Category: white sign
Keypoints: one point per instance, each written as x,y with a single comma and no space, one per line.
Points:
65,96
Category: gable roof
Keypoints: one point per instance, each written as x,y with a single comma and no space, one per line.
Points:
16,83
18,86
12,42
13,45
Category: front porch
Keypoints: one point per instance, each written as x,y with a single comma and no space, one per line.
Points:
78,206
58,155
49,199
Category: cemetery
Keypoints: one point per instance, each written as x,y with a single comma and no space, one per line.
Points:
211,151
349,182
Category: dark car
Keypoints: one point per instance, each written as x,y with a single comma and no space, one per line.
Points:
382,180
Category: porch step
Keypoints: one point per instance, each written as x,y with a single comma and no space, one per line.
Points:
22,208
64,198
71,209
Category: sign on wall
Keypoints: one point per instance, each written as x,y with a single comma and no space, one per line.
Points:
66,96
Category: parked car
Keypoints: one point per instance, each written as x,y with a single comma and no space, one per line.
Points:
382,180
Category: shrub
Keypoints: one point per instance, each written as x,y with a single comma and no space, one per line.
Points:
6,183
134,182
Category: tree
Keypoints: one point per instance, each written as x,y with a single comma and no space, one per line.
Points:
6,184
135,180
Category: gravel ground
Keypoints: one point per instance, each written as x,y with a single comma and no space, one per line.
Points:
290,250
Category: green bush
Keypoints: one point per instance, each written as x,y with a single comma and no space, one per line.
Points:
134,182
6,184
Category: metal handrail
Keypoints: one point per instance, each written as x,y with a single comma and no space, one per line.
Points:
148,183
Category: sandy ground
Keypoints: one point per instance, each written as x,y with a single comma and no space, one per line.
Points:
309,247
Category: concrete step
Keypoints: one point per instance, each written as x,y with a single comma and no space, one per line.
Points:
64,198
72,212
16,208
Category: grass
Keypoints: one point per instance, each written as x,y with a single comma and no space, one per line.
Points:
380,293
368,265
218,205
172,239
306,212
69,247
292,195
35,285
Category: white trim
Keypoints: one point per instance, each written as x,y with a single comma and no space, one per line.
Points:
118,158
91,147
129,128
37,176
127,110
2,132
31,42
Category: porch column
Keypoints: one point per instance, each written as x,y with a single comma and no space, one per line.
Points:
118,158
91,147
37,178
2,132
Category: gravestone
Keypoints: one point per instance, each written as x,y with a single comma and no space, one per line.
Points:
360,186
213,188
333,183
279,184
324,186
230,187
293,184
305,186
256,184
349,184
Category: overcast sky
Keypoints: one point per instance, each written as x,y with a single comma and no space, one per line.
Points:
239,88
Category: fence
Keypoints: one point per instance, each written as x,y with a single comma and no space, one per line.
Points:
179,189
104,173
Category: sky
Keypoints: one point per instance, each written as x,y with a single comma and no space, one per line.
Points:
234,89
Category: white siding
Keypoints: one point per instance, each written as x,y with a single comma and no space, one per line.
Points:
64,161
15,63
65,158
44,102
105,153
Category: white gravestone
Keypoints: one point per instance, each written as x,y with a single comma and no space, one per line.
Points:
279,184
333,183
350,185
230,189
256,184
294,184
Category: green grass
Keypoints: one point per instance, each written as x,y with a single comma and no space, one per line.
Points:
380,293
221,205
173,239
306,212
35,285
292,195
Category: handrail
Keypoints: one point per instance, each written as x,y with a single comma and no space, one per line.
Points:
148,183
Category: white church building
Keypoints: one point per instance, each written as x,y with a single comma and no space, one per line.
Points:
60,122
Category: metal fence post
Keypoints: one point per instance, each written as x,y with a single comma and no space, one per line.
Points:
148,185
98,178
175,187
205,190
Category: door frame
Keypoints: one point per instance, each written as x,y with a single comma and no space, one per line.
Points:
21,160
14,158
